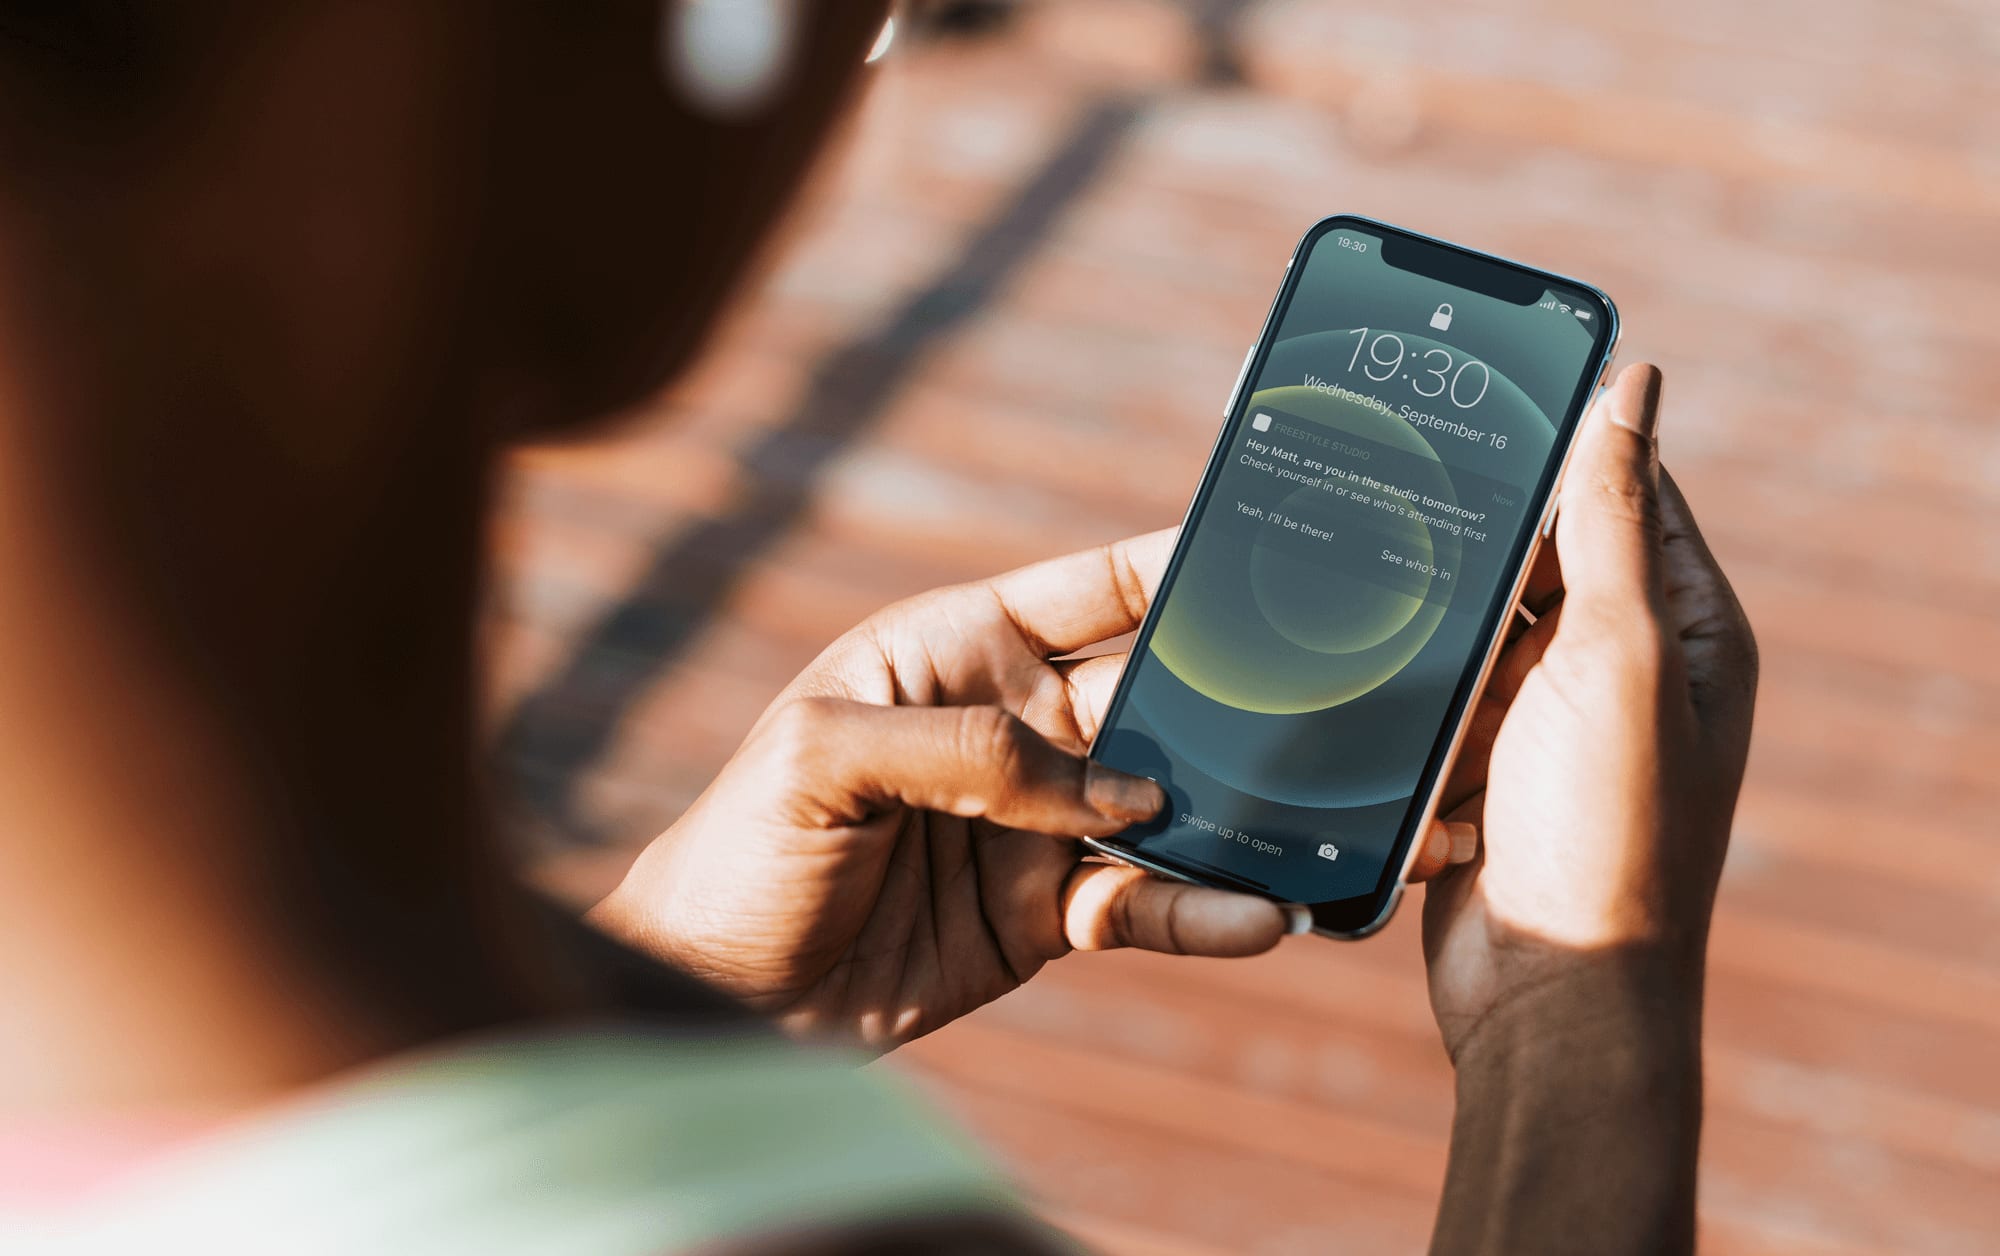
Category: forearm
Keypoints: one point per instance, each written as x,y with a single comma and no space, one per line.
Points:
1578,1122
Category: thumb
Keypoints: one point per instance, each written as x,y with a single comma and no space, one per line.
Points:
845,762
1609,530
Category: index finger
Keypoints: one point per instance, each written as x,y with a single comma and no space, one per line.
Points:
1062,605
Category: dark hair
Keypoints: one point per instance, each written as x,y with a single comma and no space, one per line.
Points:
73,30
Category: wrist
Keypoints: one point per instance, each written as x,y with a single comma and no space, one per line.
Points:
1606,1046
1617,1051
1621,1001
1578,1115
637,914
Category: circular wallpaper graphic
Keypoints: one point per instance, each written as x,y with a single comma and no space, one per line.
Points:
1280,657
1285,602
1293,620
1323,610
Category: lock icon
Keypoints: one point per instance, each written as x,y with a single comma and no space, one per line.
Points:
1442,318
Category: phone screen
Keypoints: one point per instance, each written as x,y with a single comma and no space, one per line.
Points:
1327,611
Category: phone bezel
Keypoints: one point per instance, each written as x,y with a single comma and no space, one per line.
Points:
1361,915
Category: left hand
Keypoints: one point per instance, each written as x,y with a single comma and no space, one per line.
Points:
1603,761
894,843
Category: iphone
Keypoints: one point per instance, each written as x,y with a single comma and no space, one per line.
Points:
1388,463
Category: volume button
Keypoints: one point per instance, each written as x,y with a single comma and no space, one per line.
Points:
1241,372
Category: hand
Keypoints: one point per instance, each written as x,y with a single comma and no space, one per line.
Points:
894,844
1603,762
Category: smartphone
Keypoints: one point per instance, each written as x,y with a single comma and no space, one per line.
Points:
1344,578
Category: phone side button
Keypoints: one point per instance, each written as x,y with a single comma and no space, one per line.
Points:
1549,517
1241,373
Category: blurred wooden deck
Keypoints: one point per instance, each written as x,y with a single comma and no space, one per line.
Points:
1006,331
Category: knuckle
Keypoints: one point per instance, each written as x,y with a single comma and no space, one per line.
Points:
1742,653
797,731
1724,632
989,735
1171,939
1728,628
1150,915
893,622
881,631
919,606
1737,626
1124,915
1126,582
1746,638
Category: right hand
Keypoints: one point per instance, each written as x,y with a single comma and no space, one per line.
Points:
1603,763
895,843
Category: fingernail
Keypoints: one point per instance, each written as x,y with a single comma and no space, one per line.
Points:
1464,840
1639,415
1298,919
1116,795
1437,846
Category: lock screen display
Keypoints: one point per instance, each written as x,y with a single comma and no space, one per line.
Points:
1340,575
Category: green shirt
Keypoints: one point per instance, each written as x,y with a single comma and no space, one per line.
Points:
613,1142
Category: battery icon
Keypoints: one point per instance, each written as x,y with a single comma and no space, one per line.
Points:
1584,315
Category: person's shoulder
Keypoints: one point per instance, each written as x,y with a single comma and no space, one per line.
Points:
600,1142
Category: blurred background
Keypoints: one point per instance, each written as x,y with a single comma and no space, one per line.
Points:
1004,330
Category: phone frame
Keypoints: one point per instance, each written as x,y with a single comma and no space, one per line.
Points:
1332,919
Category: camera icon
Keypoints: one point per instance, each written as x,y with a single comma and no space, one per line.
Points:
1327,850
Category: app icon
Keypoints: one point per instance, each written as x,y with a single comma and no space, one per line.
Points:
1327,850
1261,423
